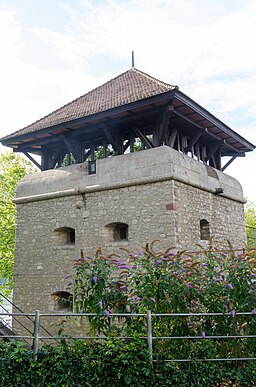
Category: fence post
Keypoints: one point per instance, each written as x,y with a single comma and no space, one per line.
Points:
36,334
149,334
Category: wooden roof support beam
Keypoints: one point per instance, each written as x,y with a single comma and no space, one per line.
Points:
192,141
33,160
131,142
87,154
110,138
163,127
172,138
54,159
74,149
126,146
37,141
181,115
212,151
234,156
203,129
228,163
143,138
28,149
223,141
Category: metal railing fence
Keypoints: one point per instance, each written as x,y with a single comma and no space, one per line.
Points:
40,335
20,325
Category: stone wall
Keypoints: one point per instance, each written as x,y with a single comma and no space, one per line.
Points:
159,193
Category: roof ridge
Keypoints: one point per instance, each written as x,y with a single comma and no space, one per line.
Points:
70,102
171,87
161,83
155,83
73,100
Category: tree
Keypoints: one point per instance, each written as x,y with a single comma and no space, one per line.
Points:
12,169
250,221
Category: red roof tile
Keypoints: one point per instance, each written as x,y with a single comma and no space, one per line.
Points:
133,85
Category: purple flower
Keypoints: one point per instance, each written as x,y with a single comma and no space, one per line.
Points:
205,264
254,311
152,299
203,334
189,284
122,266
95,279
233,313
124,288
134,255
230,286
68,276
137,299
100,304
81,311
106,312
217,280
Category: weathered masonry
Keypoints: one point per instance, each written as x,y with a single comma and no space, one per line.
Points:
131,161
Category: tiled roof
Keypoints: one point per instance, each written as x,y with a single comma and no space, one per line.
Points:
131,86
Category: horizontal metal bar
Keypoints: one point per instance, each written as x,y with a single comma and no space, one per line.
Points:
18,314
199,314
127,314
87,337
203,338
204,360
93,314
15,337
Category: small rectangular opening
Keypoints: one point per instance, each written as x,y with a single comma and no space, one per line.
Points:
92,167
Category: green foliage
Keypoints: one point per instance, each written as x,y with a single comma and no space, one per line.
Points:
12,169
250,221
164,282
111,364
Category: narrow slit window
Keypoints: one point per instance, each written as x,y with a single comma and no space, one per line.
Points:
204,229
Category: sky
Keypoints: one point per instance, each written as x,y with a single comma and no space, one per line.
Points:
53,51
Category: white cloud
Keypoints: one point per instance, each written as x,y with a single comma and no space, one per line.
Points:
206,50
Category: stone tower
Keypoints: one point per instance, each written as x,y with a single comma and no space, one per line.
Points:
131,161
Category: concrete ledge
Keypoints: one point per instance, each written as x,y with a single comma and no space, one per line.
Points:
145,167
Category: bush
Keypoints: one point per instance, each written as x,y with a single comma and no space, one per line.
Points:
166,282
111,364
